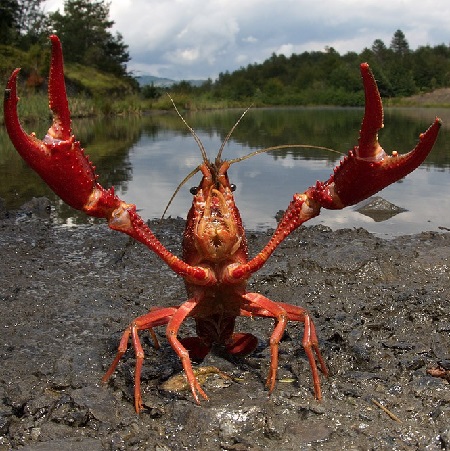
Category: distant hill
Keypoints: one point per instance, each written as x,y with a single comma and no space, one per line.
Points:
156,81
164,82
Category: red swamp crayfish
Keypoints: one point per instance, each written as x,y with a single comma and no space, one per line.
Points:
215,264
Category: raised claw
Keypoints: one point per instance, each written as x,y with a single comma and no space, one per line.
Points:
61,162
59,158
368,169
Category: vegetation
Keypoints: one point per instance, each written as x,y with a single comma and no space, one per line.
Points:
83,30
98,81
313,78
326,78
95,59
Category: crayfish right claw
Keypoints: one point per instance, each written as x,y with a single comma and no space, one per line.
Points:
368,169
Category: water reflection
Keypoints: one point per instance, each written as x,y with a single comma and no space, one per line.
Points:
146,158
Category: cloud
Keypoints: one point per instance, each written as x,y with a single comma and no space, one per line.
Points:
185,39
250,40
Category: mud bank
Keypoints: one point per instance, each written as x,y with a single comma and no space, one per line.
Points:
381,308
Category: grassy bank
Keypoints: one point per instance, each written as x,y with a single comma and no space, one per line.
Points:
33,107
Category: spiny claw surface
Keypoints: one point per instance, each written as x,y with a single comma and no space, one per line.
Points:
58,158
57,97
367,169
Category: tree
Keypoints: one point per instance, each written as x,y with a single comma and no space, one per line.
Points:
33,23
381,52
9,20
378,47
22,22
399,44
84,33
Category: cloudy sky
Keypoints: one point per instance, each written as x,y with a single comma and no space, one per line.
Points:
197,39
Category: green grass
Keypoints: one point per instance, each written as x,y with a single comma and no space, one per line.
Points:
33,107
94,82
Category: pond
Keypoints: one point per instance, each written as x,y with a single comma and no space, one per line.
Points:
146,158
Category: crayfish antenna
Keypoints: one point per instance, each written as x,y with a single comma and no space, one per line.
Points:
195,136
189,176
227,138
280,147
202,150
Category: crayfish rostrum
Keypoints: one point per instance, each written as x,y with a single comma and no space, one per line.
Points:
215,264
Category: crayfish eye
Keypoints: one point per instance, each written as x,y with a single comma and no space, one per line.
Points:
194,190
233,187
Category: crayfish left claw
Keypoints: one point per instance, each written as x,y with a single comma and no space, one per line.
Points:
59,158
61,162
368,169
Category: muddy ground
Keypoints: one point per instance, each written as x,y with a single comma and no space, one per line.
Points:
381,309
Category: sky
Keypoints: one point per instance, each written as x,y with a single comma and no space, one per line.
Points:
198,39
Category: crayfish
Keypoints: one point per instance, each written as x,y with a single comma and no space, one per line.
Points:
215,264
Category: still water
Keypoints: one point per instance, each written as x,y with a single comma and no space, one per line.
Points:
146,158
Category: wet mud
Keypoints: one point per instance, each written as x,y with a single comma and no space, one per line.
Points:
381,309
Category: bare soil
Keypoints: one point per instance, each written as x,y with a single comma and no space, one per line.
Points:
439,96
381,309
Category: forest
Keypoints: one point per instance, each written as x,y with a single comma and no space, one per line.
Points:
323,78
96,65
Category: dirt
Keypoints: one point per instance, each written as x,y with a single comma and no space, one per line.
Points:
381,308
440,96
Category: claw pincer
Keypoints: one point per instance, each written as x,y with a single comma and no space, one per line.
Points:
58,158
367,169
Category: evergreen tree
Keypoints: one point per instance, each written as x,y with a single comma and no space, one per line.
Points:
399,44
9,21
33,23
22,22
84,33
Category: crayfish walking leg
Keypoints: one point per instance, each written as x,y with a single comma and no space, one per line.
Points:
156,317
259,305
